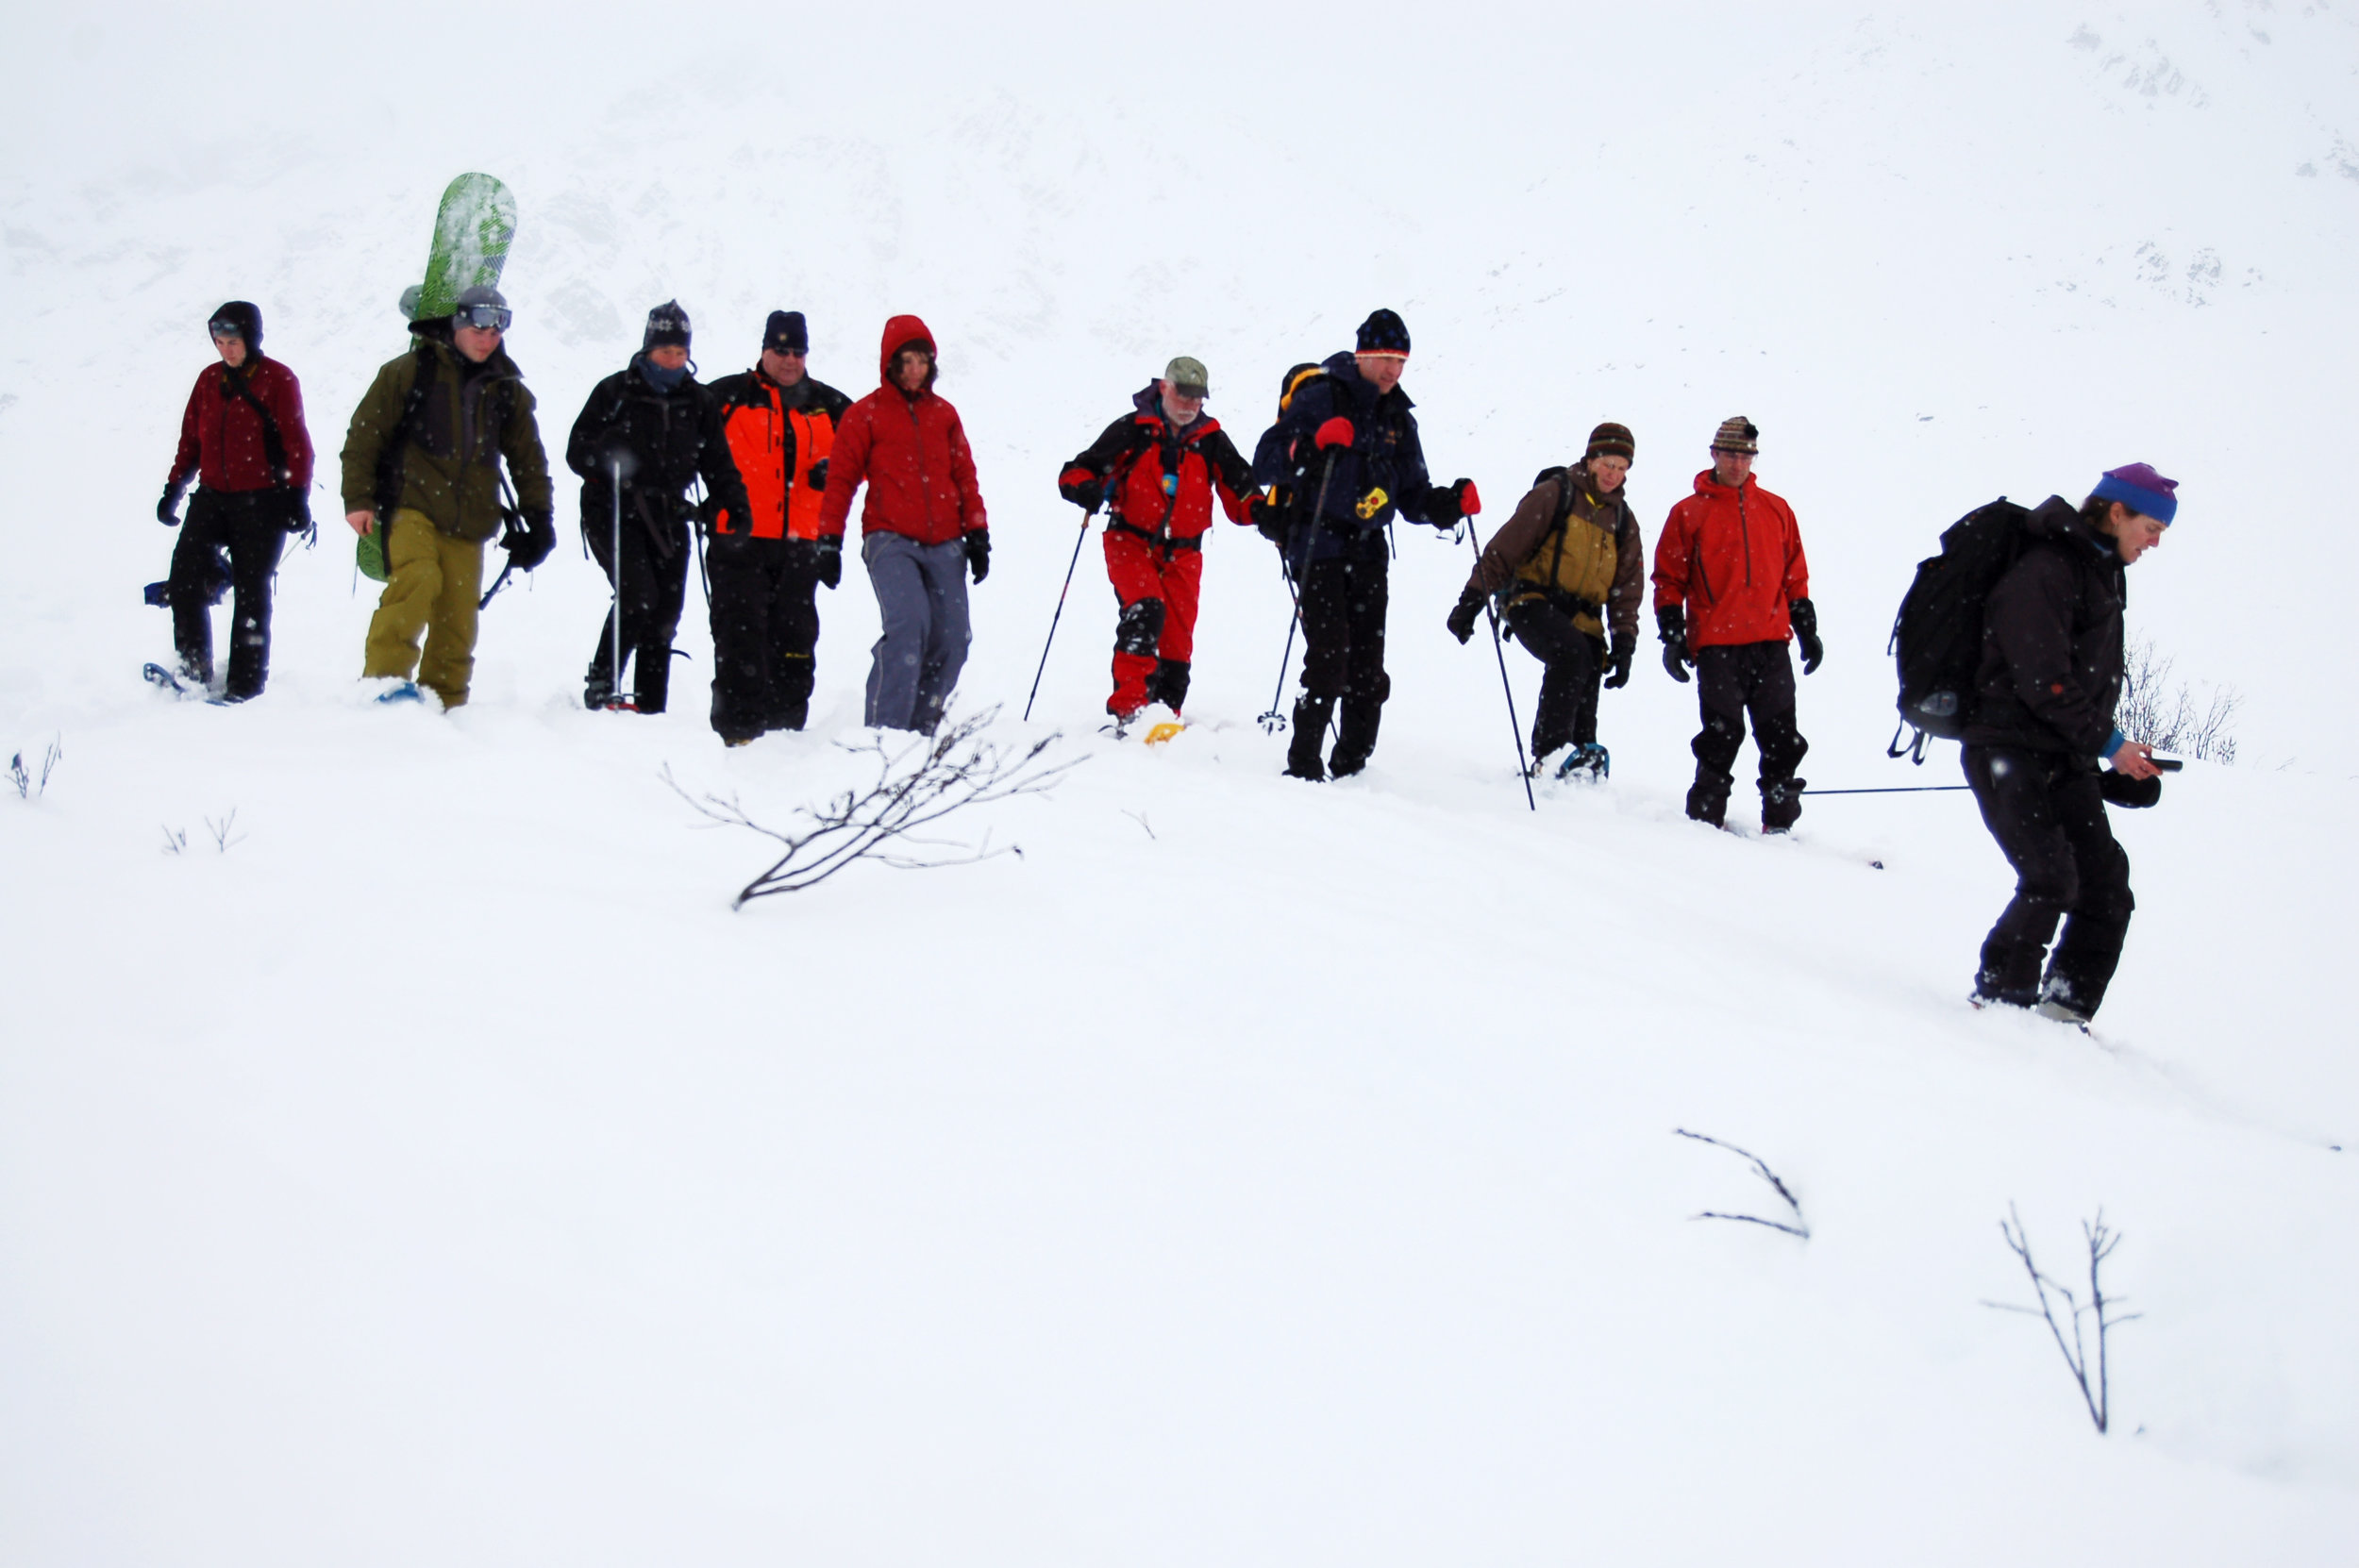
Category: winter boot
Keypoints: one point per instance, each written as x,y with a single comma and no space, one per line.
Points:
1708,797
1309,738
1355,738
1781,802
1587,763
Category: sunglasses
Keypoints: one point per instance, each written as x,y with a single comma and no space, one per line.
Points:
485,318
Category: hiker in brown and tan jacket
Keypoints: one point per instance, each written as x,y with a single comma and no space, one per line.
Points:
1565,567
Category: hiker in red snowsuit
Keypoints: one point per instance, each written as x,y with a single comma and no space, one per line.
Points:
1161,468
1731,588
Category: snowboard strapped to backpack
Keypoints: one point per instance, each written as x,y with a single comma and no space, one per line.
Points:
1937,637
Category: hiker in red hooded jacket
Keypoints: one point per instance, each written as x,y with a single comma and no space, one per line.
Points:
242,438
1731,587
921,528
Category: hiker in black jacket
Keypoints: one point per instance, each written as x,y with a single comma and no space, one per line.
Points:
2043,721
658,428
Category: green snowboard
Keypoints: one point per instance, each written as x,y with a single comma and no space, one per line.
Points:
472,231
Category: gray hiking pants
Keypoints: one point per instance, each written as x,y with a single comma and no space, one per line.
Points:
921,595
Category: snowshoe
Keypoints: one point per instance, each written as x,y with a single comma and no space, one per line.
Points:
407,692
1587,763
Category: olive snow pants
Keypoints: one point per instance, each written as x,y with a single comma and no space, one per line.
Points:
431,585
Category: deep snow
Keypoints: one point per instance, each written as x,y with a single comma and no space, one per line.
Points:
1247,1172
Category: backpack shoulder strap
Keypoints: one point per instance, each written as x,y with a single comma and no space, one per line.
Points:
274,444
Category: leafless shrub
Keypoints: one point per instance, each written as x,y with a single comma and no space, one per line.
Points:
220,831
2166,714
31,786
916,785
2096,1393
175,840
1800,1226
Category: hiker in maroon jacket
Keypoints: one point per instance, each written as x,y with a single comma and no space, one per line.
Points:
243,440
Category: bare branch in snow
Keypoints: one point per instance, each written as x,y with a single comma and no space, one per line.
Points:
1800,1226
2101,1312
916,784
28,784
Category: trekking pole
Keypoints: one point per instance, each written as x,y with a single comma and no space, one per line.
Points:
1273,721
1069,566
497,583
1474,537
1894,790
614,682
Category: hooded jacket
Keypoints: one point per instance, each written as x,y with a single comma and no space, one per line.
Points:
2051,673
1382,472
1162,480
1734,556
221,435
472,416
912,452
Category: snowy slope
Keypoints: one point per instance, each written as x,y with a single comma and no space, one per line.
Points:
1246,1172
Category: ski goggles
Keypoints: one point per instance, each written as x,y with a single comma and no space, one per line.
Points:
226,326
484,318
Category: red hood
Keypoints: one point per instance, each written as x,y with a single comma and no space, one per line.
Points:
1708,486
899,330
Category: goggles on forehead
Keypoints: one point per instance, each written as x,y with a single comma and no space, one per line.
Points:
226,326
485,318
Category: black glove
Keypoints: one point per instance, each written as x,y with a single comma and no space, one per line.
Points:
1080,485
2135,794
1461,619
832,560
979,553
1805,618
818,479
1671,626
168,509
529,540
1617,663
299,513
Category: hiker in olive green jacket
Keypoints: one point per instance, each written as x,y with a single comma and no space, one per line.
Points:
1565,567
438,473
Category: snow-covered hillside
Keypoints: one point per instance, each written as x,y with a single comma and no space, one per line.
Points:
1249,1171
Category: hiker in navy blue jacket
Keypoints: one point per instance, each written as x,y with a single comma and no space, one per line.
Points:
1346,447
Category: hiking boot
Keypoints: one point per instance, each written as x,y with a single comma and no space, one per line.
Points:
1309,739
1355,738
1781,802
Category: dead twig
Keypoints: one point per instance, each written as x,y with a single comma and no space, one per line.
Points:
916,784
1800,1228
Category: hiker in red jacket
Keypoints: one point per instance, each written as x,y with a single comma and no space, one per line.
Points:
242,438
1731,587
1163,467
922,529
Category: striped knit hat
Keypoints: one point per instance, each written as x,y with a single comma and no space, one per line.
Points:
1612,441
1737,434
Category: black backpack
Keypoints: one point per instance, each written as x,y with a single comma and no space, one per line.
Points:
1937,637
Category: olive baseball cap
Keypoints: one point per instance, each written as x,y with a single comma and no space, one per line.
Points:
1187,377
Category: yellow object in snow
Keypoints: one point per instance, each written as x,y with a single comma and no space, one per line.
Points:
1162,732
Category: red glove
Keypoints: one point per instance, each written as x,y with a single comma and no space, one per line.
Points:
1469,499
1335,432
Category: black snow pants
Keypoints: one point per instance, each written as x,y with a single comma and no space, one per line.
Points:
1343,604
765,628
253,524
654,586
1573,665
2048,813
1733,681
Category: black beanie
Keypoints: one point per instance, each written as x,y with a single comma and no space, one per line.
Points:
666,324
786,333
245,320
1383,332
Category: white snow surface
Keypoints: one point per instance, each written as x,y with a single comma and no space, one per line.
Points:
1248,1173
